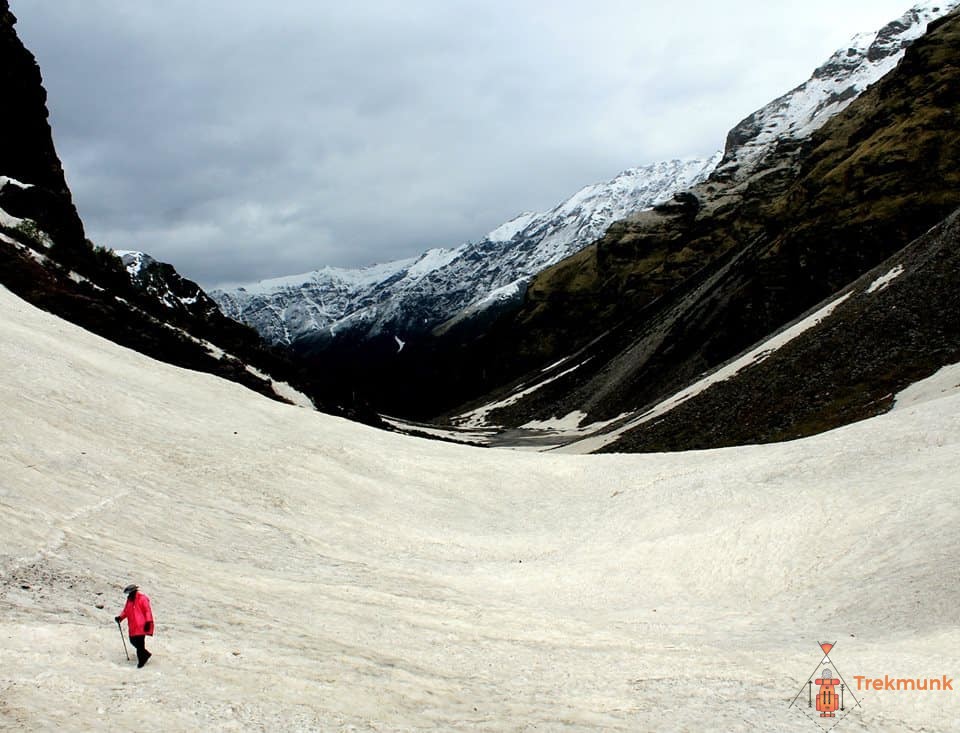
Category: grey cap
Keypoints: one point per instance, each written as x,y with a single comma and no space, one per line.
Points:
131,588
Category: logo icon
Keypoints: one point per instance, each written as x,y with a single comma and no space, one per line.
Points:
828,697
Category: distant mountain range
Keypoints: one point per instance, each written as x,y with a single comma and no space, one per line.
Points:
410,297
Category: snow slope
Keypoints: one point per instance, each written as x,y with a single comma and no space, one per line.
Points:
308,573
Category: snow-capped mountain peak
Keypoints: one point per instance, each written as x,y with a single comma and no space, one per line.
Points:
832,87
415,294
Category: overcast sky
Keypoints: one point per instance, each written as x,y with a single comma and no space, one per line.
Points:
241,140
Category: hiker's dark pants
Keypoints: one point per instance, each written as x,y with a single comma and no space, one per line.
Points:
140,642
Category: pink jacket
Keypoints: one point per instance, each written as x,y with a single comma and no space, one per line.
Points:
137,612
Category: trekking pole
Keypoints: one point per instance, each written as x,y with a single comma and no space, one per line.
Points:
120,629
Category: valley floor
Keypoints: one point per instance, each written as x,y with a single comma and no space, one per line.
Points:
308,573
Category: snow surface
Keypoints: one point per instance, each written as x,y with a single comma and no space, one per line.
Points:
881,282
943,383
308,573
8,220
477,418
5,180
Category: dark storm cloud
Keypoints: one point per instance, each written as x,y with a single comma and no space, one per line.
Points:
241,141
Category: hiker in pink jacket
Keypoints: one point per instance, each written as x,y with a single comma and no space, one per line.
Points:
139,621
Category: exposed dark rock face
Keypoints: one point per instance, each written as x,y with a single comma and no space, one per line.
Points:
161,281
27,153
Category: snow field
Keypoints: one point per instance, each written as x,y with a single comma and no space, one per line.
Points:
308,573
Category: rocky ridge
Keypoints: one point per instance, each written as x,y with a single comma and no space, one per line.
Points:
832,87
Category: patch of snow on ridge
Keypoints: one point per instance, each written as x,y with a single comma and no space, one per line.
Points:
5,180
281,389
502,294
751,358
132,260
27,227
336,276
944,383
506,232
431,260
569,426
80,279
37,235
30,252
554,365
508,291
567,422
478,437
10,221
478,418
884,280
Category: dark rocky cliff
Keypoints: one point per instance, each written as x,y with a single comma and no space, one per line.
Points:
27,153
